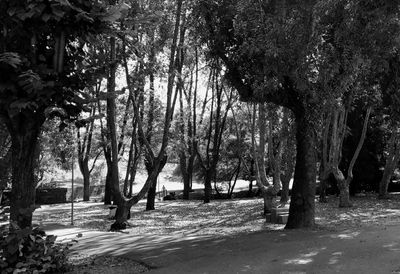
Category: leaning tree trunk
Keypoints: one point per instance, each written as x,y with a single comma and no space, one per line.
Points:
124,206
24,143
151,195
301,212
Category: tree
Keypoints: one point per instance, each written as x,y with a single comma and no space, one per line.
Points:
264,47
39,56
208,153
85,152
268,190
390,89
187,123
5,159
281,52
156,160
351,68
288,159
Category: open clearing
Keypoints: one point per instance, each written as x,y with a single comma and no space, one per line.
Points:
181,234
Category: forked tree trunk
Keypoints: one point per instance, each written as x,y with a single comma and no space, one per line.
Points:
151,195
24,136
344,184
121,215
124,206
301,212
288,161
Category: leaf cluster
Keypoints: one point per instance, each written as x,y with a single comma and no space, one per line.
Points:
32,251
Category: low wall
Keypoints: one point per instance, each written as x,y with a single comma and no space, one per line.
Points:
51,195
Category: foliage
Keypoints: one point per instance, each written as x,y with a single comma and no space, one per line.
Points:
57,146
5,155
32,251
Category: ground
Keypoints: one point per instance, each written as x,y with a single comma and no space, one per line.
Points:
230,236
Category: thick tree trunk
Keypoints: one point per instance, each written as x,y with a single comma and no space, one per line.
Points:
121,216
108,197
384,183
343,185
151,194
301,212
391,164
186,187
24,143
269,202
124,206
285,189
151,197
344,197
322,190
185,177
84,168
207,186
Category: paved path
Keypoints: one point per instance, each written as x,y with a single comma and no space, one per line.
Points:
372,250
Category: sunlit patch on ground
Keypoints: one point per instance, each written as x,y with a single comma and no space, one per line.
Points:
304,258
220,217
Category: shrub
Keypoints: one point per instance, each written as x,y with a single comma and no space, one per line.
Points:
32,251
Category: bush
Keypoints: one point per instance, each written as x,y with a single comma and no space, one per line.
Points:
32,251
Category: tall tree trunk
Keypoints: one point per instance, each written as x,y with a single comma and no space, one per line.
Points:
119,199
344,196
84,168
123,204
207,185
391,163
185,175
24,137
301,212
108,197
268,191
151,194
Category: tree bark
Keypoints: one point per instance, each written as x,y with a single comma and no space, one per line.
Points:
391,163
5,167
207,185
24,138
344,196
301,212
84,168
108,197
151,194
